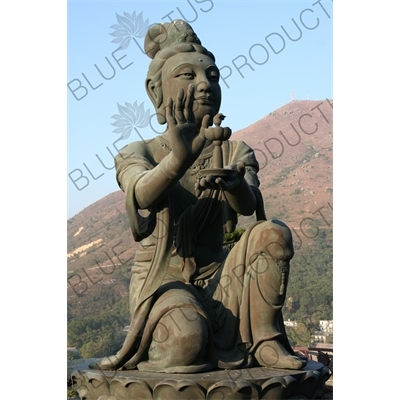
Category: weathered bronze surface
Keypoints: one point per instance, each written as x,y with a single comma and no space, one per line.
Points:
195,306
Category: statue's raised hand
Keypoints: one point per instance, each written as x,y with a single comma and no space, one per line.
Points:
187,139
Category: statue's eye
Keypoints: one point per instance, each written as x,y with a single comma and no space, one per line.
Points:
186,75
213,74
213,77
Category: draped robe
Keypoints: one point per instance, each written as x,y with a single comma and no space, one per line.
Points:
181,241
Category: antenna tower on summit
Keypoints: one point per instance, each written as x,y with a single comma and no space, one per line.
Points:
292,95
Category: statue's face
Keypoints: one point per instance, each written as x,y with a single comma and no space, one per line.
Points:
184,69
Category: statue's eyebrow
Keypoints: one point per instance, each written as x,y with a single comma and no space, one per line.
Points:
191,66
181,66
212,67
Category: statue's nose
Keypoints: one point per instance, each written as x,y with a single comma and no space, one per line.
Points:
203,85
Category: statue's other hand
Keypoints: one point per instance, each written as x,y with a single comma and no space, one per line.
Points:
226,183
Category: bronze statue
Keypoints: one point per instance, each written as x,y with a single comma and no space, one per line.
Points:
196,306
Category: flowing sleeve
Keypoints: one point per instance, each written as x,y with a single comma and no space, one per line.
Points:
233,152
131,165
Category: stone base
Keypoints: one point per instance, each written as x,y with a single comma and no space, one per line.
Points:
251,383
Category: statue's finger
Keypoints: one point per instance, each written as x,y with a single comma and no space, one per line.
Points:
168,112
188,109
210,178
179,116
221,183
205,123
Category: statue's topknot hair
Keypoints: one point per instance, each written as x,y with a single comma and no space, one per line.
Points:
160,36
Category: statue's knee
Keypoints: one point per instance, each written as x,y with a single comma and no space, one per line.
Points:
275,239
180,338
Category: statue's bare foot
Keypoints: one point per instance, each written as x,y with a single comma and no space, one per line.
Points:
272,354
106,363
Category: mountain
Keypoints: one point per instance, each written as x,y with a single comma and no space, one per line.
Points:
293,146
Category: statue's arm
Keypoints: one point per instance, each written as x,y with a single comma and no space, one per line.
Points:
153,185
241,197
158,182
244,195
239,189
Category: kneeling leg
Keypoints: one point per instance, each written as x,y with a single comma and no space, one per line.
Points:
179,340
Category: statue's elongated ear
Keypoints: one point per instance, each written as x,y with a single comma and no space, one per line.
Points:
156,97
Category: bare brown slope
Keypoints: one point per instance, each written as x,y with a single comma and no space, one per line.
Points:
100,235
295,180
294,148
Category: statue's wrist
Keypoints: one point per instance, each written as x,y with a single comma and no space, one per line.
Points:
168,171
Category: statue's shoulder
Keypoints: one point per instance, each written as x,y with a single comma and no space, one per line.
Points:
137,148
238,146
240,151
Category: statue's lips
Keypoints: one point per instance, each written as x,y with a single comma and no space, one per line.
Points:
206,100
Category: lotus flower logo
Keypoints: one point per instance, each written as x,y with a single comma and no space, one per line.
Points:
131,115
130,26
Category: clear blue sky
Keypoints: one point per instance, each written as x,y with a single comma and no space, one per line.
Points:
236,32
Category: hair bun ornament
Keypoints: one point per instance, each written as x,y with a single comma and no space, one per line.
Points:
168,34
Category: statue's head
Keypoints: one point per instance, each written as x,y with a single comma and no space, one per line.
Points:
178,60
